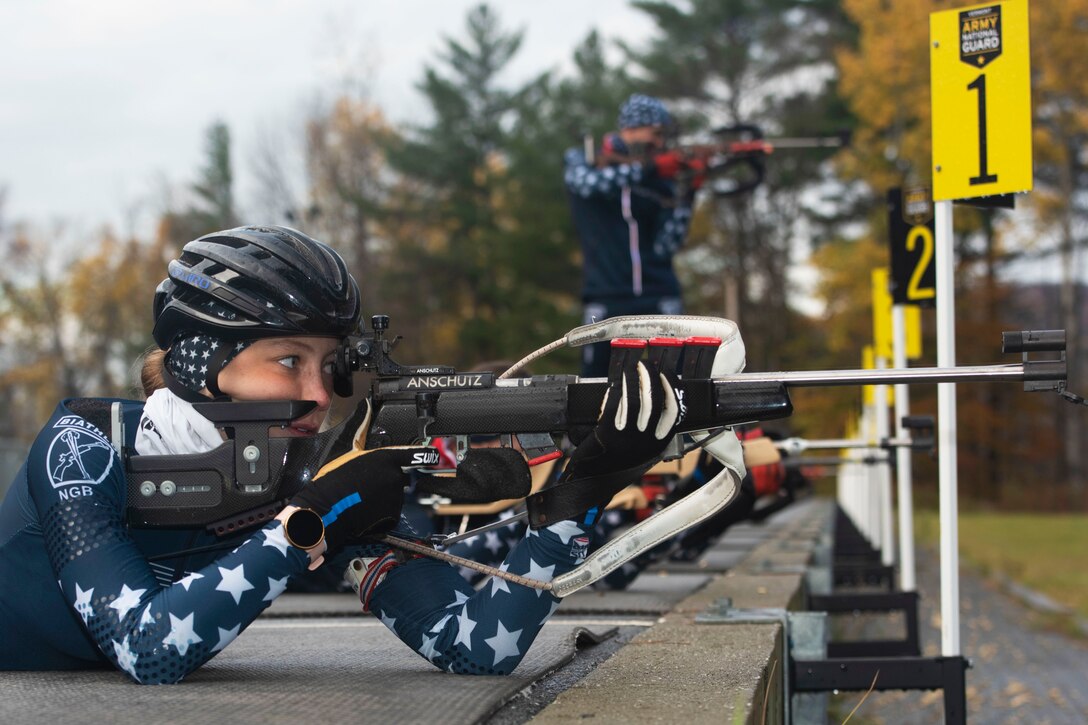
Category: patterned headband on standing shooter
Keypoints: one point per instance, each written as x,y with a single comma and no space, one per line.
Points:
640,110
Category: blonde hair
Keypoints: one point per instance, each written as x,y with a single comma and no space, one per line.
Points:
151,366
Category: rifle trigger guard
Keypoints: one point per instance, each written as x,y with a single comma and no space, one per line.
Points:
426,409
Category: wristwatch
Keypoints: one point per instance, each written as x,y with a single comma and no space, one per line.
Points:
304,528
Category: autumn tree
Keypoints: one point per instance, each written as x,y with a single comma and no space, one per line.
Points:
37,367
885,81
845,326
1059,201
108,295
74,326
347,178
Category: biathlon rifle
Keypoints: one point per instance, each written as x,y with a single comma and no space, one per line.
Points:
734,163
247,480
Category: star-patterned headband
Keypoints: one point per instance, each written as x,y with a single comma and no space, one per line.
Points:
190,358
640,110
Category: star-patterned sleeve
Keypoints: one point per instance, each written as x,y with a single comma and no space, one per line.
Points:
462,630
587,181
670,237
157,634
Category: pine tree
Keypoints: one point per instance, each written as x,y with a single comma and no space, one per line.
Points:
768,64
458,187
543,251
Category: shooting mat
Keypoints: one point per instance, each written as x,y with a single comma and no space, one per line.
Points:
291,670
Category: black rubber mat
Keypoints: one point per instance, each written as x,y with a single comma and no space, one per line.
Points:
293,671
713,561
315,605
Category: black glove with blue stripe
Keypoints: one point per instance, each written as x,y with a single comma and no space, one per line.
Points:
361,493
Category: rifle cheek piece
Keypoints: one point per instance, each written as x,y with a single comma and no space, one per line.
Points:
244,482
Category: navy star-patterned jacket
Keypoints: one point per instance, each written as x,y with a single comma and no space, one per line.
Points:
77,589
630,225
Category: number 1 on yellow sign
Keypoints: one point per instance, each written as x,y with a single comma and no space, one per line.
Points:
980,83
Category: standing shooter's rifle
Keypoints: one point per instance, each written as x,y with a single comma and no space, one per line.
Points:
733,164
736,162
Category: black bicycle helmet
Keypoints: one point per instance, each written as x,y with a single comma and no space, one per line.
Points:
254,282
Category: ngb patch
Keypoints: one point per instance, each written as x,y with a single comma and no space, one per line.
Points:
79,456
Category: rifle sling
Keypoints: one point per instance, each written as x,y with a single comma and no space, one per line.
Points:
571,498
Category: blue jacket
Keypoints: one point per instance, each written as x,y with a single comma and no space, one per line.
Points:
78,588
630,225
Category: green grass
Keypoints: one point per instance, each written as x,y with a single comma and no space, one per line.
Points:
1044,552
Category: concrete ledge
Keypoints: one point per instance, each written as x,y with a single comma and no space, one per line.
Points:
680,671
684,670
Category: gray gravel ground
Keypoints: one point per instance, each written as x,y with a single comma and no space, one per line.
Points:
1022,672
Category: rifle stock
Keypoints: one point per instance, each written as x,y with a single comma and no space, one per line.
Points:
411,409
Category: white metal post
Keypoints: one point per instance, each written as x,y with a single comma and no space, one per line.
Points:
946,432
881,472
872,496
903,467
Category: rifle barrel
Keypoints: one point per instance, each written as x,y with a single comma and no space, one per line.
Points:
796,445
819,142
1053,370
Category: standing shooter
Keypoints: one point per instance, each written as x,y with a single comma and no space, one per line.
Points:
630,220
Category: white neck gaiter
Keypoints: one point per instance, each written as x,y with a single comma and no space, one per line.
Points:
170,425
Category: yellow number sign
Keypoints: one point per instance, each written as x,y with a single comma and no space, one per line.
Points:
882,314
883,343
980,90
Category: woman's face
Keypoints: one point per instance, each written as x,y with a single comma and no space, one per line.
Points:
284,368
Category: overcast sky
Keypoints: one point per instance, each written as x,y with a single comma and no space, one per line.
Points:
102,102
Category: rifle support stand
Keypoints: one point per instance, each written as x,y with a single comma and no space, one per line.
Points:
855,561
887,664
888,673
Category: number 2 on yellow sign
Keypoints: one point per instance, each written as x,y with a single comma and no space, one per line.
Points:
915,290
